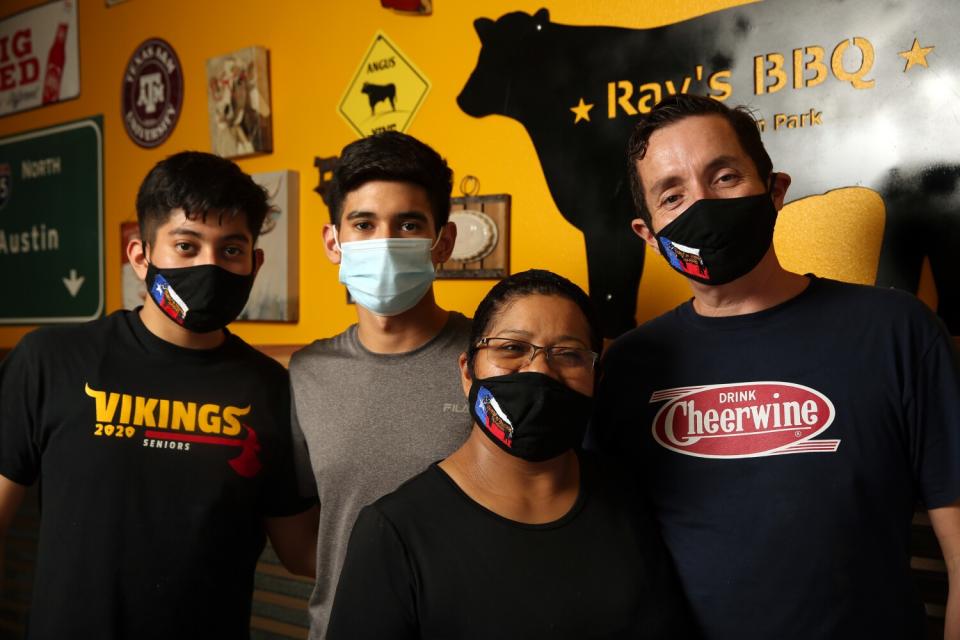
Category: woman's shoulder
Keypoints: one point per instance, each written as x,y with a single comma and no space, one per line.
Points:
421,494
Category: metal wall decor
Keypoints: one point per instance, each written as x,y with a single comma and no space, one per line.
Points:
482,249
152,93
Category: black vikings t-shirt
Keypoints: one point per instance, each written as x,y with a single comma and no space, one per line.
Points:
157,465
784,452
427,561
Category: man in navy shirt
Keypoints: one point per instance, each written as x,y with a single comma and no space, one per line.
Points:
783,426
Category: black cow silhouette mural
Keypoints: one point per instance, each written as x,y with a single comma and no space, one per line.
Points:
850,92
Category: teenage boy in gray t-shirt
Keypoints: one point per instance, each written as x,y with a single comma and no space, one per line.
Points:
376,404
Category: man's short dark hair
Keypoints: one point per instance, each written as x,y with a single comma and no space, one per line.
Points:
200,184
675,108
396,157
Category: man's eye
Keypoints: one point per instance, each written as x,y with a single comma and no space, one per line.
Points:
184,247
410,227
727,177
233,251
363,226
671,199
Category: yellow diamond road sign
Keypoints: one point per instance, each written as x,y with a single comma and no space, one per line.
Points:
386,91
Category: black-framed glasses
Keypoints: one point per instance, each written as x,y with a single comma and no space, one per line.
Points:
508,353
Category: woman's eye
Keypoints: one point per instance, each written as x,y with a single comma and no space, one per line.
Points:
512,349
183,246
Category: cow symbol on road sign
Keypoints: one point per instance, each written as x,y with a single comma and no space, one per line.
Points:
386,92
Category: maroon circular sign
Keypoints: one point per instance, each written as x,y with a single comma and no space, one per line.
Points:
152,93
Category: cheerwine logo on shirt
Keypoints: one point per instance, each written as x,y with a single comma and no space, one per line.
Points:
743,420
176,425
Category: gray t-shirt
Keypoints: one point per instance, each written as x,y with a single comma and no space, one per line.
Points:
364,423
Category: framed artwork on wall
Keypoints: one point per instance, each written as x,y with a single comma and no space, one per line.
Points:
238,102
482,250
275,296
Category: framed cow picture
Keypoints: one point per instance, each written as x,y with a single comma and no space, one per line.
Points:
238,100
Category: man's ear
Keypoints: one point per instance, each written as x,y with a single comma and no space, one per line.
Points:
444,249
257,261
640,228
465,380
137,255
781,182
330,243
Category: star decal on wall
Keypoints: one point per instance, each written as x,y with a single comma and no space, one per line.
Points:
916,55
582,111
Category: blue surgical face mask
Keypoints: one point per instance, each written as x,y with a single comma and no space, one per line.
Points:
387,275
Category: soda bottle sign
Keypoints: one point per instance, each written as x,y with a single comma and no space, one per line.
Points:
55,60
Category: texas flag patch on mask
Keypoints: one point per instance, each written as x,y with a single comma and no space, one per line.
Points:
168,300
493,417
684,258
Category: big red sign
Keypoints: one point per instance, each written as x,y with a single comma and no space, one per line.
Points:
39,57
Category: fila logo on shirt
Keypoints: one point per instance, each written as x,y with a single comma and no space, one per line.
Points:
743,420
177,425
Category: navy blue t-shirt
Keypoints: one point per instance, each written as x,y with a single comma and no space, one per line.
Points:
784,452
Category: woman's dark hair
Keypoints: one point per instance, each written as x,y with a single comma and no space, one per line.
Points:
199,183
396,157
675,108
520,285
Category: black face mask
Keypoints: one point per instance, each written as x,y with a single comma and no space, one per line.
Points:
530,415
716,241
201,298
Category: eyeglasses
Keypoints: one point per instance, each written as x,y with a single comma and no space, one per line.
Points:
508,353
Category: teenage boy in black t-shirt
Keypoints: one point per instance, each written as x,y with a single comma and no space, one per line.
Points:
783,426
161,440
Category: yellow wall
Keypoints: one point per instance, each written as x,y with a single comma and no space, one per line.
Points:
315,47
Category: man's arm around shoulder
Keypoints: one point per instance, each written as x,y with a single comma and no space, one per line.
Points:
11,495
946,524
294,538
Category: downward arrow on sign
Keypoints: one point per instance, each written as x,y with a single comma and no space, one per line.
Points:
73,283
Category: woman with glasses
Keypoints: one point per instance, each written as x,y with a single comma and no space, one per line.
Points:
518,534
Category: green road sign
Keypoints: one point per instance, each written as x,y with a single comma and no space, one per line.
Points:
51,224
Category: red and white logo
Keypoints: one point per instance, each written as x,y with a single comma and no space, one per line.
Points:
743,420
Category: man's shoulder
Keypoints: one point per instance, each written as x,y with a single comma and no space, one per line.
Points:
871,305
882,296
459,324
341,345
256,359
657,330
455,335
68,338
